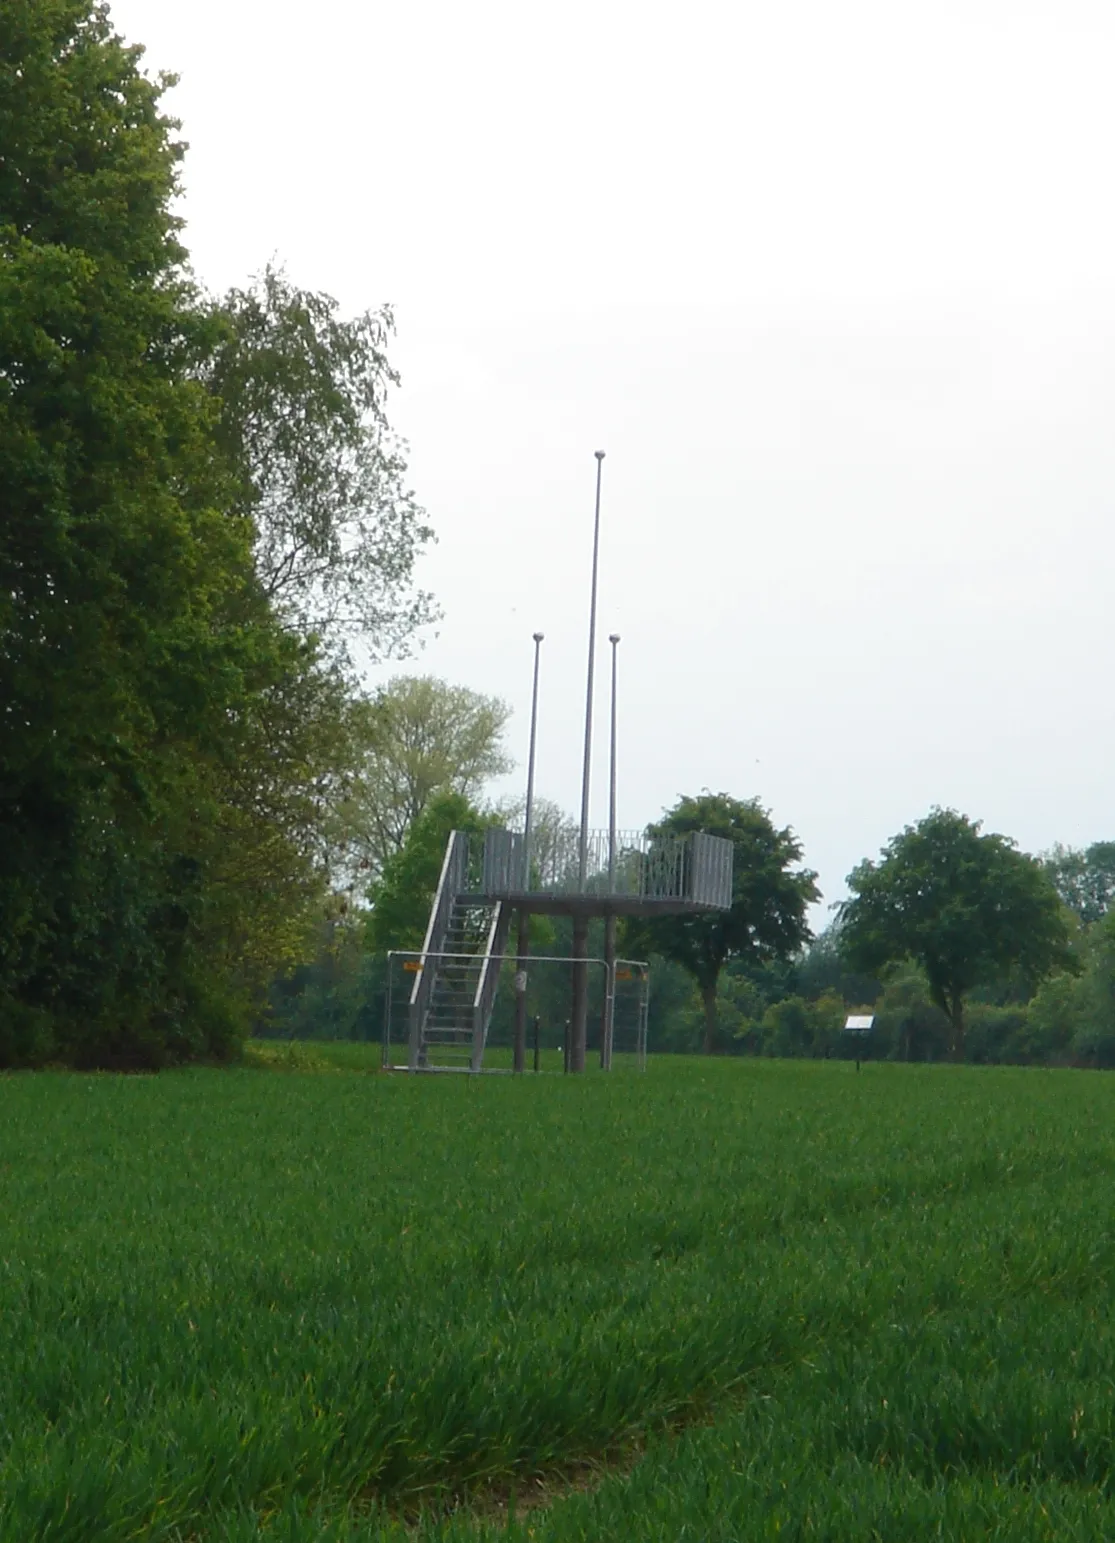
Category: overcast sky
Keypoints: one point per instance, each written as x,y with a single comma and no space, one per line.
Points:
833,287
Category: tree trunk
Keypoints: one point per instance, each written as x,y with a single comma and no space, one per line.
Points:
708,997
957,1016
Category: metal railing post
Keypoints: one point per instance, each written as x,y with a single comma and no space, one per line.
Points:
387,1004
644,1017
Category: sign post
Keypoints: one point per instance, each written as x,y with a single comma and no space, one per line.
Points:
859,1024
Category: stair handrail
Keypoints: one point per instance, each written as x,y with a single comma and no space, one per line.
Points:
449,886
488,983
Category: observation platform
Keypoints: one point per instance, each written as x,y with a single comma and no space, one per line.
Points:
482,883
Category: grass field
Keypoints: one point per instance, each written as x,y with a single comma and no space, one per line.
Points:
728,1301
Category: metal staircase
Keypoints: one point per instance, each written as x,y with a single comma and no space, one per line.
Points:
458,976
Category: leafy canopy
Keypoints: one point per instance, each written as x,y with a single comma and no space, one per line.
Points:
1085,880
417,736
301,397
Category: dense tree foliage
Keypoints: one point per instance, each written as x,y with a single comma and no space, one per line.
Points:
964,906
402,897
770,896
128,622
335,991
1085,880
171,737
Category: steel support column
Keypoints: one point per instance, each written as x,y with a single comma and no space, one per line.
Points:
519,1052
578,1027
607,1032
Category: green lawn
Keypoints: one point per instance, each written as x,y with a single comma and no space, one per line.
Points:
769,1299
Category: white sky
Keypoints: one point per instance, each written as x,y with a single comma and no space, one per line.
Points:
833,287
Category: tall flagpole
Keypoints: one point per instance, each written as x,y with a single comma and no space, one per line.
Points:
578,1023
518,1049
528,814
613,639
583,864
608,1027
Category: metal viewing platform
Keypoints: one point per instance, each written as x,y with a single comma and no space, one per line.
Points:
608,875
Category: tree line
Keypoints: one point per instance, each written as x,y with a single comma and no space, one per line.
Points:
957,944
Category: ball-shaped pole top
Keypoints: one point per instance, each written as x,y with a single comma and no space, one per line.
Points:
599,454
613,637
538,636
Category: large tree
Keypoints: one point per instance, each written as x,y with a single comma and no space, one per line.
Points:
162,738
112,562
770,896
417,736
966,906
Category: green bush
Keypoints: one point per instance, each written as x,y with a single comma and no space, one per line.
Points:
997,1034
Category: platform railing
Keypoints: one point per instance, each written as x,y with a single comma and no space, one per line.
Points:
694,867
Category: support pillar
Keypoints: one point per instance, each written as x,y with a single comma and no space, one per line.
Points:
519,1053
608,1026
578,1027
